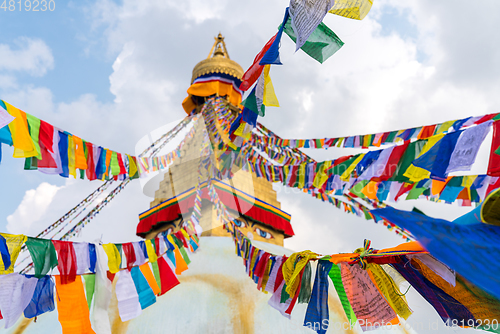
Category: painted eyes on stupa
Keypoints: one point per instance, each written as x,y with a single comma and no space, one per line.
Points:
263,234
240,223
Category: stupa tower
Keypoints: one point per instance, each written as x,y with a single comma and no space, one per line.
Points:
247,196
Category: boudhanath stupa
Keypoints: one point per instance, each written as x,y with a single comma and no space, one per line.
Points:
215,295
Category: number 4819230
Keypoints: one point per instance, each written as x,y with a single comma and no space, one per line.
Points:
28,5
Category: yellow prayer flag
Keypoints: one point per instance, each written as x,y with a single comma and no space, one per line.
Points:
416,174
352,9
71,156
269,99
444,127
389,290
114,258
347,174
321,177
22,142
14,243
292,268
468,180
151,251
132,167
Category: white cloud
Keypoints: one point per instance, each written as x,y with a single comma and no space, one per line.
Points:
29,55
32,208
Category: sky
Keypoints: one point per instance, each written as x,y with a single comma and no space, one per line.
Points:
114,72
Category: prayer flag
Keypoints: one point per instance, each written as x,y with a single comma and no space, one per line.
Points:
322,43
352,9
254,71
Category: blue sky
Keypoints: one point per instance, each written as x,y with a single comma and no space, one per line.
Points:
111,72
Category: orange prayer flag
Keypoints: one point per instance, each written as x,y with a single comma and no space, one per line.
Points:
80,161
148,274
72,307
180,264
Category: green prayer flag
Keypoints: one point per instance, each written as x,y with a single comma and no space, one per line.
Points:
43,254
156,272
322,43
411,153
358,187
305,285
184,255
415,192
390,138
31,163
336,278
251,103
89,287
284,295
115,167
34,129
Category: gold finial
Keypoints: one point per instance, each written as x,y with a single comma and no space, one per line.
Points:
220,48
218,61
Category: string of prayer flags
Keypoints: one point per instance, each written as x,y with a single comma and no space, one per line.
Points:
54,151
306,16
376,139
367,283
352,9
321,44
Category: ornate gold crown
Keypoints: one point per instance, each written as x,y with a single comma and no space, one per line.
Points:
218,61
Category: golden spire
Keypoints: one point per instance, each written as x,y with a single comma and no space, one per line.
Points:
218,61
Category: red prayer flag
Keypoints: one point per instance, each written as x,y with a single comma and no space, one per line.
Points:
494,164
90,162
255,70
167,277
404,189
393,162
426,132
46,135
123,170
128,249
66,256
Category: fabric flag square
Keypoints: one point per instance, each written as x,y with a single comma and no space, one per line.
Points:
317,316
67,262
15,295
167,276
465,151
251,103
306,16
72,307
352,9
13,243
146,295
43,298
126,294
5,117
320,45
